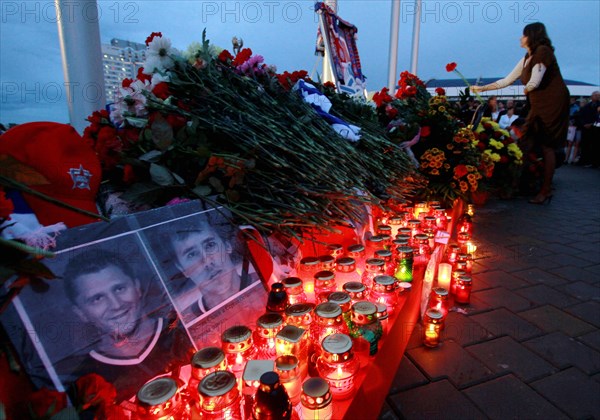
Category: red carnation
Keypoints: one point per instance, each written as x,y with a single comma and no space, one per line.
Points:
391,112
451,67
152,36
411,91
143,77
242,57
94,391
440,91
425,131
382,97
225,57
161,90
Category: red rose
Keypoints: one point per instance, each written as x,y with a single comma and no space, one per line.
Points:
450,67
225,56
425,131
460,171
440,91
382,97
93,390
161,90
45,403
6,206
152,36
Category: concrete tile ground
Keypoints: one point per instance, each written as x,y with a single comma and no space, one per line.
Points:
529,344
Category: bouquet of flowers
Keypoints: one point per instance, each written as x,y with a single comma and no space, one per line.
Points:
497,146
443,149
230,130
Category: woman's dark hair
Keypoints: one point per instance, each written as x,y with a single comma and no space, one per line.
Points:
536,35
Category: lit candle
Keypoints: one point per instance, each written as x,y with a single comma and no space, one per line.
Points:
161,399
219,397
238,347
292,340
384,291
307,269
267,327
404,269
294,289
328,320
208,360
471,248
357,251
338,366
289,375
316,400
432,326
444,275
439,300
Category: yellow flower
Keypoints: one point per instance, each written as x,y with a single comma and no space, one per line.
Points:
497,144
495,157
442,109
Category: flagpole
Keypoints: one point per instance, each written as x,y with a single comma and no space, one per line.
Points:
328,75
415,40
79,36
394,34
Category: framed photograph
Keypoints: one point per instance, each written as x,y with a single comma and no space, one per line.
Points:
135,298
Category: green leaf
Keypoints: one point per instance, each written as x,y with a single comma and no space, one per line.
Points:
161,175
162,133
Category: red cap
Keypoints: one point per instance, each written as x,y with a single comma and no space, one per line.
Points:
69,164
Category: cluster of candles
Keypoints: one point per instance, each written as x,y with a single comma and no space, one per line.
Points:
319,327
453,280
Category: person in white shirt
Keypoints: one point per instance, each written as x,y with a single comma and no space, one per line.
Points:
507,119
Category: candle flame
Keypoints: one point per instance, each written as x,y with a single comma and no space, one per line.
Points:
339,372
239,359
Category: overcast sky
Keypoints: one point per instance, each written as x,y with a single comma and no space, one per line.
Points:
481,36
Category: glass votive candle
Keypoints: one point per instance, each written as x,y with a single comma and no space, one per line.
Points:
444,275
267,327
335,250
327,262
308,267
438,299
294,289
356,290
441,221
429,223
357,251
462,292
345,270
316,400
433,322
464,262
404,268
395,222
404,232
207,360
382,316
421,245
409,213
367,327
453,251
328,320
374,267
462,238
345,303
287,367
421,210
386,240
301,315
292,340
455,275
277,300
384,230
372,244
161,399
219,397
389,267
325,283
238,346
384,291
415,227
471,248
338,366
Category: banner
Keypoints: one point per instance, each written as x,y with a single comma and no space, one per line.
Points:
338,37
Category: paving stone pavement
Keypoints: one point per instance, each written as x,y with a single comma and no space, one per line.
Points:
528,345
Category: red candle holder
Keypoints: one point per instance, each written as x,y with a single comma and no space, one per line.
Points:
328,320
316,400
463,290
338,366
238,346
432,327
219,397
386,255
374,267
308,267
161,399
384,291
325,282
357,251
439,300
295,290
267,327
345,270
207,360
